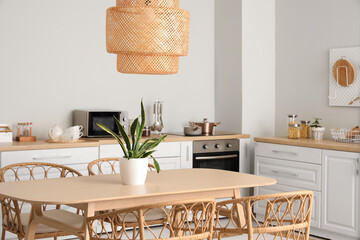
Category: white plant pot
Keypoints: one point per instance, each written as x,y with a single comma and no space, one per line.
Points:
317,133
133,171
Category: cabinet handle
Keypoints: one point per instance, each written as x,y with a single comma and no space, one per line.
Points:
52,157
291,153
187,153
285,173
357,166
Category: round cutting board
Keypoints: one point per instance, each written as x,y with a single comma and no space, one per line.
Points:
343,67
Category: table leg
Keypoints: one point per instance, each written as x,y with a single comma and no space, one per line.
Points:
33,223
239,208
89,212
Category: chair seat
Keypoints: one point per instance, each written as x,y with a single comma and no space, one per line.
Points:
61,215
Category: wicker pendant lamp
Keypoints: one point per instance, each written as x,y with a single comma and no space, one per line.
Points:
148,36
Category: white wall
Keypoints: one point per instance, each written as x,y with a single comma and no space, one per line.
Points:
228,51
305,31
258,69
53,60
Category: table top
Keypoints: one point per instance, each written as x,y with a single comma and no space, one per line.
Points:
89,189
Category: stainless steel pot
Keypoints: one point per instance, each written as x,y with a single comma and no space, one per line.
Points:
207,127
192,130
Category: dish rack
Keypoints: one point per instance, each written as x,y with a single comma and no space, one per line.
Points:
345,135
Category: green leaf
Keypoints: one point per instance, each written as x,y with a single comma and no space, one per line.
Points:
140,130
151,145
133,130
108,130
123,134
147,142
156,164
147,154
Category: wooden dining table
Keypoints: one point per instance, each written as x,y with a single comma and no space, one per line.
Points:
104,192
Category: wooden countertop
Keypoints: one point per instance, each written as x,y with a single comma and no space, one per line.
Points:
323,144
94,142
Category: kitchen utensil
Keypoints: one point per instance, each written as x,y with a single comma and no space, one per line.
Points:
158,122
192,130
207,127
344,72
55,132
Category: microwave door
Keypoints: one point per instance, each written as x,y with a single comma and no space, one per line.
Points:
106,118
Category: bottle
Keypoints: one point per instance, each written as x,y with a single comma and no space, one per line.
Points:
292,119
294,131
305,129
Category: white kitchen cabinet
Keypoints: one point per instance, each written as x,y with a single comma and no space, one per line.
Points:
286,152
290,173
168,154
76,158
333,176
341,192
186,155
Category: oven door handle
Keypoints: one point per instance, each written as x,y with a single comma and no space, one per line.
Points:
217,157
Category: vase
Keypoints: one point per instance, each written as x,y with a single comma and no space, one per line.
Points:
317,133
133,171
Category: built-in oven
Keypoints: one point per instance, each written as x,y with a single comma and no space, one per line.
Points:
217,154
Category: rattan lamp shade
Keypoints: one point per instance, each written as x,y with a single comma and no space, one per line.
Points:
148,36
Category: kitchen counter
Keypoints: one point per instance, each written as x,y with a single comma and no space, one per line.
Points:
322,144
94,142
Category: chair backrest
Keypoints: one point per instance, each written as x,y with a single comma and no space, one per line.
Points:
35,171
11,209
286,215
103,166
193,219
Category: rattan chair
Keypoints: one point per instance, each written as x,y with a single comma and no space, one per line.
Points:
15,220
286,216
187,220
103,166
111,166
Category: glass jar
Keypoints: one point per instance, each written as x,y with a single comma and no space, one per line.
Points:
292,119
305,129
294,131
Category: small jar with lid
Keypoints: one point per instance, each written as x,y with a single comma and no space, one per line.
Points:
294,131
305,129
292,119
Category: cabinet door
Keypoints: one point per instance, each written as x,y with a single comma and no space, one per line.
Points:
168,163
186,155
340,192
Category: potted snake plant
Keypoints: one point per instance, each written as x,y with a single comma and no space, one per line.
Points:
134,163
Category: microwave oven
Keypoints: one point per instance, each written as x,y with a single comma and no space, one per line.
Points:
89,119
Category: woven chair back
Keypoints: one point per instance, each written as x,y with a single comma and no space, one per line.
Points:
189,220
286,216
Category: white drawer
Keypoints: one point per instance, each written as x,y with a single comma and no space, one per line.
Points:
260,208
302,175
165,149
64,156
301,154
168,163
